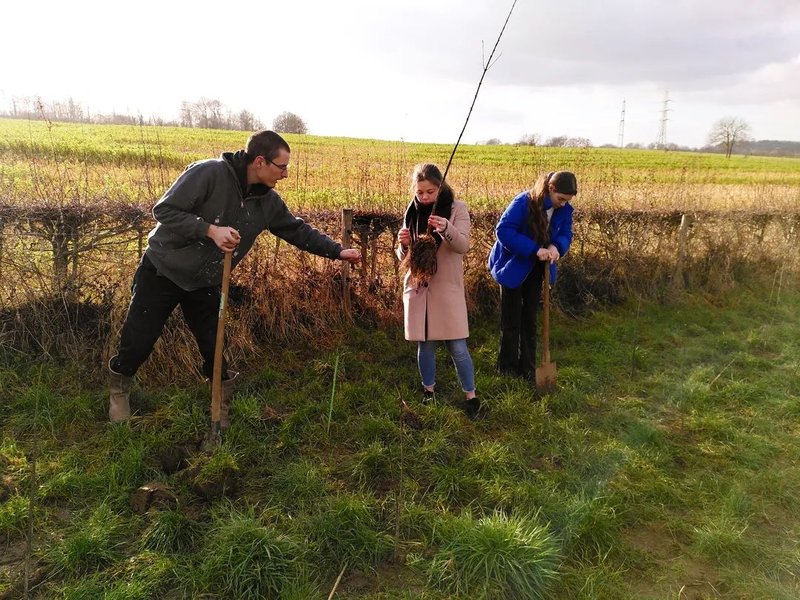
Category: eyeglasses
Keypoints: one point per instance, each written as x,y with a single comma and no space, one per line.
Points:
281,168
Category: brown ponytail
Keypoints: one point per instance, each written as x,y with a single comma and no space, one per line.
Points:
537,218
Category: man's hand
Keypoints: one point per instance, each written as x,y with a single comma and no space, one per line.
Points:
226,238
351,255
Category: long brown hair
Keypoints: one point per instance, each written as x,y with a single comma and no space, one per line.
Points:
563,182
428,172
537,218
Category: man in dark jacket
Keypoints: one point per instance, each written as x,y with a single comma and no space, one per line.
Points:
215,206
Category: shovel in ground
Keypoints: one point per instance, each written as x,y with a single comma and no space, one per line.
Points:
546,372
214,437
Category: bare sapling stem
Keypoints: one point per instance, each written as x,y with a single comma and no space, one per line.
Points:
337,582
399,506
333,394
421,258
32,498
486,67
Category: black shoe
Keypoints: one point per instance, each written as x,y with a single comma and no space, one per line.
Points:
507,372
473,408
428,396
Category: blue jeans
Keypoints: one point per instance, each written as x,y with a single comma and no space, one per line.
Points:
426,359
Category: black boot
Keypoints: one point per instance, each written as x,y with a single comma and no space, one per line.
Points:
472,407
428,396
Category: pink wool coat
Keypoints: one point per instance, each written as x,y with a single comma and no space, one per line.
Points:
442,301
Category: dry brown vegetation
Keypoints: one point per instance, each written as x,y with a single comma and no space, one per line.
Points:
67,271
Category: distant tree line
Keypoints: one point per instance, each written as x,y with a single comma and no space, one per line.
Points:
767,148
726,135
210,113
207,113
70,111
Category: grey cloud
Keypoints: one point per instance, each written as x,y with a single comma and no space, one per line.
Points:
675,43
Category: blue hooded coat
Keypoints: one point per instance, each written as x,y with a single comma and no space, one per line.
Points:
514,252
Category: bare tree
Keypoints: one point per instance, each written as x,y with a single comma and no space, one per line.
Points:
288,122
558,141
246,121
530,139
727,131
577,142
187,114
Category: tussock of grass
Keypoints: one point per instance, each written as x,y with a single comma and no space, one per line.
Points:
591,524
171,531
489,459
374,428
92,545
372,464
345,530
63,486
13,517
299,485
248,559
721,538
144,576
496,557
215,467
450,485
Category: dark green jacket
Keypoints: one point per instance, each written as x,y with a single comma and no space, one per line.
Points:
215,192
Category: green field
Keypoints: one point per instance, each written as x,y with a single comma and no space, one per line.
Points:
89,162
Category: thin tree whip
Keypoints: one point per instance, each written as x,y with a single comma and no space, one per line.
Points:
421,256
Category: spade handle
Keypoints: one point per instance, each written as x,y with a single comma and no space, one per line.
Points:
216,381
546,312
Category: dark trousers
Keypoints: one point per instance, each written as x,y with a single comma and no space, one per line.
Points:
153,299
517,354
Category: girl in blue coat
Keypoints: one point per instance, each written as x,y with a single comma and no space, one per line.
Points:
535,229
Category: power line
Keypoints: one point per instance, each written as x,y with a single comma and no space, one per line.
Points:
661,142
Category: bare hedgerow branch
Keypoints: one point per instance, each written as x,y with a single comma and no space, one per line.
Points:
283,295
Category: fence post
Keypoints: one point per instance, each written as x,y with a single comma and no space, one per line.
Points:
347,231
683,253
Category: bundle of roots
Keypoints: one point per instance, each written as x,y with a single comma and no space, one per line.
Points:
420,259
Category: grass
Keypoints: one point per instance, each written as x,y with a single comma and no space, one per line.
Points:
345,530
670,468
495,557
92,545
171,532
247,558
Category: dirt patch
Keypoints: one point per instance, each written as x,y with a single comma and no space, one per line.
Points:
389,576
671,571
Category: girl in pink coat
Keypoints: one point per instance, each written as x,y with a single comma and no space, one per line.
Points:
436,310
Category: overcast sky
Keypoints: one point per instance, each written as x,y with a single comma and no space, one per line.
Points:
408,69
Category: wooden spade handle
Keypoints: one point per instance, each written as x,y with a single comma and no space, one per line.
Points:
216,381
546,312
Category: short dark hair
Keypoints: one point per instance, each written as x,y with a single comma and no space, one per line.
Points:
265,143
